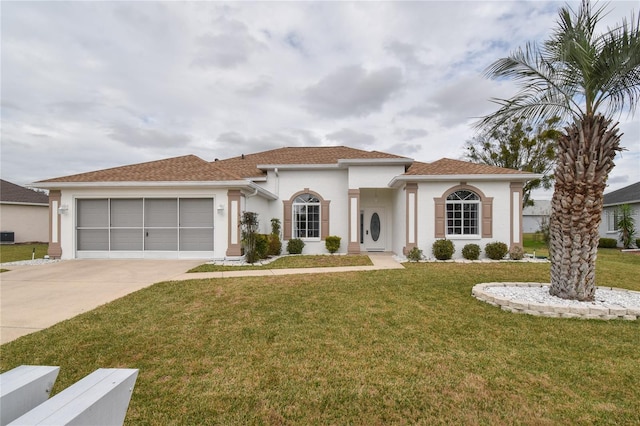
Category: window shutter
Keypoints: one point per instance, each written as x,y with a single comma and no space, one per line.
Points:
487,217
324,219
440,217
287,220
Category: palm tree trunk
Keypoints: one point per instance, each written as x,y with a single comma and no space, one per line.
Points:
585,158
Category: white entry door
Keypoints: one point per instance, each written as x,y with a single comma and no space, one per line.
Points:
374,229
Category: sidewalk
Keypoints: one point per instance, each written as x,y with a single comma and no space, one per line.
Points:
380,261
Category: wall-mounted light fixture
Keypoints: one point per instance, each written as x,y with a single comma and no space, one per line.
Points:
220,208
63,209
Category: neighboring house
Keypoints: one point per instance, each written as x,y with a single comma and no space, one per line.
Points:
24,213
186,207
533,217
612,202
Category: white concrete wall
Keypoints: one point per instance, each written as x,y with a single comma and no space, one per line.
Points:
28,223
68,219
427,191
373,176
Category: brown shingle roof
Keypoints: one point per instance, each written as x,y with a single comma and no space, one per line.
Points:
247,166
12,193
179,169
447,166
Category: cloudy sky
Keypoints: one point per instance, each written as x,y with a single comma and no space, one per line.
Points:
92,85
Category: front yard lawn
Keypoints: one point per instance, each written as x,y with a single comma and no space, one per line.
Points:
383,347
303,261
15,252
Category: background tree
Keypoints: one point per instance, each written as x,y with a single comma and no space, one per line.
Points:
521,146
626,225
585,78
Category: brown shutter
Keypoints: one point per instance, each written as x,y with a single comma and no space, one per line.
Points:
440,217
487,217
286,231
324,219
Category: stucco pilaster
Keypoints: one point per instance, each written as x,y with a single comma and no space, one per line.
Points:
55,246
353,247
516,214
411,217
234,241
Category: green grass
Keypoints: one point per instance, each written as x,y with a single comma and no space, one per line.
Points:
16,252
383,347
534,243
312,261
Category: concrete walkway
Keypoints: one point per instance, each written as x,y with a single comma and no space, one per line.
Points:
35,297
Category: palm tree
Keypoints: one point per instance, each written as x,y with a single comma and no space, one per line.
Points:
586,79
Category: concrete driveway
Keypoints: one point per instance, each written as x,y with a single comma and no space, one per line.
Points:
38,296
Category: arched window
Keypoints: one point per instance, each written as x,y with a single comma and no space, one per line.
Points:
463,213
306,216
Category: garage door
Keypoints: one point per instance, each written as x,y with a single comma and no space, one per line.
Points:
145,225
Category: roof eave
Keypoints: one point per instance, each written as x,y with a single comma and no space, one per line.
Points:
515,177
231,184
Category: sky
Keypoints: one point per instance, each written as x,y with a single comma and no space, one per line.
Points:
92,85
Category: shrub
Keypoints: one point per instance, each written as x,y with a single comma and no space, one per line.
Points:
262,246
332,243
443,249
295,246
516,253
496,250
275,245
607,243
471,252
638,242
414,255
249,224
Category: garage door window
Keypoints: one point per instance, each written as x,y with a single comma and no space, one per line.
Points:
160,224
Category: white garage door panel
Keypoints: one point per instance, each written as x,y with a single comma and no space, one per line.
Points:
93,239
126,239
196,239
196,213
126,213
161,239
161,213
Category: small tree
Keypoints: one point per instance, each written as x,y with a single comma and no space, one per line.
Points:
275,244
626,225
249,224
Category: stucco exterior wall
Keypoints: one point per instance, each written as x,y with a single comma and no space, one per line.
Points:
29,223
501,208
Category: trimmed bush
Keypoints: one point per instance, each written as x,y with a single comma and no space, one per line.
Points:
295,246
516,253
496,250
607,243
443,249
332,243
414,255
262,246
471,252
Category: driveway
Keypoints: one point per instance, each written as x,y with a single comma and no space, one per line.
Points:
38,296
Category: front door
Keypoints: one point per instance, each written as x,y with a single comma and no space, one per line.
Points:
374,229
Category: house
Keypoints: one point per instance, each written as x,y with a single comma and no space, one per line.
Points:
24,214
187,207
612,201
533,217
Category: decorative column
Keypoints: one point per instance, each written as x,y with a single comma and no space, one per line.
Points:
516,214
354,222
55,247
234,242
411,212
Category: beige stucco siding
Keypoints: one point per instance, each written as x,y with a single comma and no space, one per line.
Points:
29,223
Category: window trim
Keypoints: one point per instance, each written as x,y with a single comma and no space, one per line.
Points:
288,216
485,219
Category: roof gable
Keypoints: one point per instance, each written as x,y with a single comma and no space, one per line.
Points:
12,193
247,165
